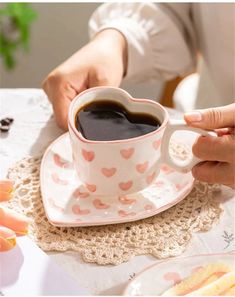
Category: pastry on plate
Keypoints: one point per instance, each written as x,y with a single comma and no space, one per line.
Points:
210,280
225,285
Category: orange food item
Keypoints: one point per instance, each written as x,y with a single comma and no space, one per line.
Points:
7,239
12,220
6,189
11,223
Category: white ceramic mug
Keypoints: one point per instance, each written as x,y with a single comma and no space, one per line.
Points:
126,166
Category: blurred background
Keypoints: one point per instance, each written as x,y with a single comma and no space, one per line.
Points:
56,32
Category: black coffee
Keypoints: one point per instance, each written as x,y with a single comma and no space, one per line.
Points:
109,120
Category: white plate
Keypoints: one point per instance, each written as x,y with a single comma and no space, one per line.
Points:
68,203
158,278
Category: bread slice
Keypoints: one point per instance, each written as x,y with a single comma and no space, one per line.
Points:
230,292
203,277
221,286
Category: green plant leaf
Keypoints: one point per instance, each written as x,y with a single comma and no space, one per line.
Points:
20,17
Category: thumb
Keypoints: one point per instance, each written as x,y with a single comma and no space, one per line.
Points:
212,118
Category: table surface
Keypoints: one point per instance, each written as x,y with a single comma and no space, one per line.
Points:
33,130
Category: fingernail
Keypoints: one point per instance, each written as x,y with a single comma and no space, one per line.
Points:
194,116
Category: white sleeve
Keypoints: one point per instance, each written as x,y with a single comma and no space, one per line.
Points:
157,47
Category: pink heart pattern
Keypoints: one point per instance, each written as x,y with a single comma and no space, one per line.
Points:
98,204
180,187
141,168
57,180
123,213
88,155
172,276
166,169
59,161
108,172
91,187
150,178
156,144
90,208
125,186
126,200
55,206
127,153
79,194
148,207
78,211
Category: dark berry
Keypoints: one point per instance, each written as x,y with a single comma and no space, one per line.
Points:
6,121
10,120
4,129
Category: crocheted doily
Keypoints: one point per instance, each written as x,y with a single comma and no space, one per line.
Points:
163,235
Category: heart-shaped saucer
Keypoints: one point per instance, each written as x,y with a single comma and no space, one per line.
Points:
68,203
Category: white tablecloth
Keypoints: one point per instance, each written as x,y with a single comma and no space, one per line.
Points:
33,129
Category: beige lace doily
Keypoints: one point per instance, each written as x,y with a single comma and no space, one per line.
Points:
163,235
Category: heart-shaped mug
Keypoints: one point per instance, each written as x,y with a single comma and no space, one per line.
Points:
120,167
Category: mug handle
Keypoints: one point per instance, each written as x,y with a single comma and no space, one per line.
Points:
179,165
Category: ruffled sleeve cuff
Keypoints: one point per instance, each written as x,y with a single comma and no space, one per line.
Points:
157,49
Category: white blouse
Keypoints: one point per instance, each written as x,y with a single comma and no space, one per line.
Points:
164,40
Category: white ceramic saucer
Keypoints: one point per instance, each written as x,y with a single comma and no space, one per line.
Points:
68,203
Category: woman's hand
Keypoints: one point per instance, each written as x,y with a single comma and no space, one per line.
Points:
102,62
218,153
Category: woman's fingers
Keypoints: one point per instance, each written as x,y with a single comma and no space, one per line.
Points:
212,118
12,220
7,239
219,151
61,107
215,172
209,148
60,93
